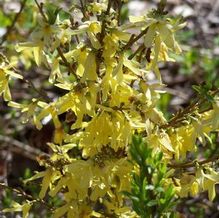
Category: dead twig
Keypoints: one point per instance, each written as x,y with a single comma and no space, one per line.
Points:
134,39
193,163
10,28
20,147
26,196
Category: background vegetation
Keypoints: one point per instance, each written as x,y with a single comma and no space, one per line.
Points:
20,145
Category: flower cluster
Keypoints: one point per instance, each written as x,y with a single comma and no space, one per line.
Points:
108,97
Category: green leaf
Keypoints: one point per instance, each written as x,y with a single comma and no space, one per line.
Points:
152,203
135,199
149,187
159,156
169,192
136,140
4,20
52,12
159,189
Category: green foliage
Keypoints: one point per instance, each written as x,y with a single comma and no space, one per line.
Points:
185,36
7,198
97,94
203,63
164,103
4,20
52,12
31,188
149,196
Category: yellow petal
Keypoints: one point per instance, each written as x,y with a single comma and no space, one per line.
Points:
46,182
149,36
90,68
25,209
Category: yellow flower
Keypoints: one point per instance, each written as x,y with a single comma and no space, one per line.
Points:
207,181
6,72
160,37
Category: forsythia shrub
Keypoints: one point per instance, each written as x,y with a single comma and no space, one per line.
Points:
103,68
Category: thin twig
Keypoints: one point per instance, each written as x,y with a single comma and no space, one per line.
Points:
193,163
41,93
176,92
20,147
41,11
161,6
83,9
140,48
66,62
182,115
103,27
26,196
120,3
10,28
17,191
134,39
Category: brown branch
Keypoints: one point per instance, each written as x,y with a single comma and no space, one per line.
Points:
176,92
103,27
17,191
41,93
120,4
26,196
10,28
40,7
66,62
180,116
21,148
134,39
140,48
193,163
183,115
83,11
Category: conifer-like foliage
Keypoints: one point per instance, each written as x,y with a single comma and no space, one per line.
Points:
102,67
